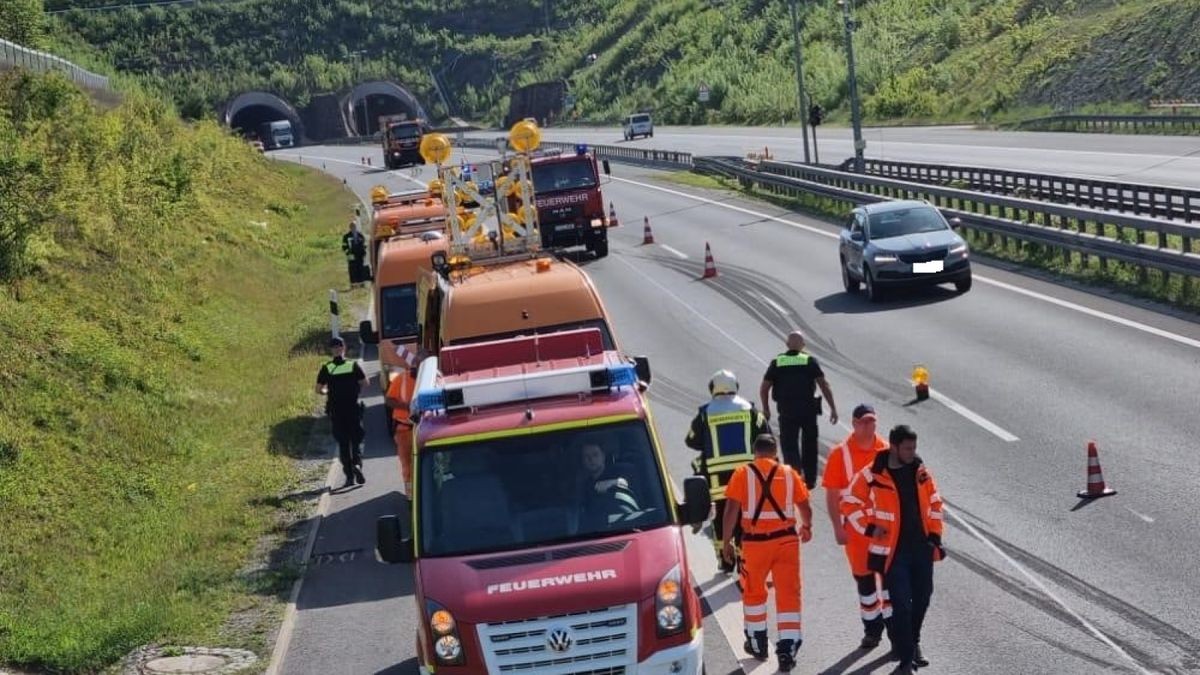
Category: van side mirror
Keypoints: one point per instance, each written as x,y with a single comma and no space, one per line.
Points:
392,545
696,500
367,334
641,365
607,168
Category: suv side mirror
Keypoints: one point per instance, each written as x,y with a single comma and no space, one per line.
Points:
696,500
641,364
856,235
607,168
956,222
392,545
367,334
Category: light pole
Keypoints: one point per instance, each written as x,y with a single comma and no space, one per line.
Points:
855,114
800,80
357,56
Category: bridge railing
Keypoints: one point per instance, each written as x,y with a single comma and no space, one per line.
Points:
1113,123
664,159
13,55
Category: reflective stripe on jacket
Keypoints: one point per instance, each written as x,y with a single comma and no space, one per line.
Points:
873,504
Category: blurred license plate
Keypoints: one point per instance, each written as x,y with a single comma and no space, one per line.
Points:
927,267
564,226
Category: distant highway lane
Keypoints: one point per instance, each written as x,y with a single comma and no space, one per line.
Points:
1025,373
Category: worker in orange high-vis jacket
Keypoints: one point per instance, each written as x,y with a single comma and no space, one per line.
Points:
894,503
845,460
399,398
770,499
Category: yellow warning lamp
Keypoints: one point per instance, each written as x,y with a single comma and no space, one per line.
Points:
435,187
379,194
524,136
436,148
543,265
920,379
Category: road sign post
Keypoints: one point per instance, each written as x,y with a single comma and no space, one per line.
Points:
703,93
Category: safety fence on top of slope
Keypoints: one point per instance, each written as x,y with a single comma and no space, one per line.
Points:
14,56
1037,227
1160,124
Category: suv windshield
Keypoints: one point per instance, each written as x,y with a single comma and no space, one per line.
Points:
398,311
900,222
570,175
639,119
540,488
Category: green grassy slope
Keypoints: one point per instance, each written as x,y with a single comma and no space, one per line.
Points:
161,307
918,59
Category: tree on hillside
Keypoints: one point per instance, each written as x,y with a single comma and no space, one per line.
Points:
21,21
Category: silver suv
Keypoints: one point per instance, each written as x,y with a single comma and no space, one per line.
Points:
639,124
902,243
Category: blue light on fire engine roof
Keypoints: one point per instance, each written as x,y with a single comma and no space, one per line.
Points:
430,400
581,148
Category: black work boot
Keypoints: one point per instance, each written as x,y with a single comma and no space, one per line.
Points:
786,651
919,659
869,641
756,646
349,481
358,475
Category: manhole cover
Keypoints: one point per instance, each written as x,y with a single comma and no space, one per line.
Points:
194,660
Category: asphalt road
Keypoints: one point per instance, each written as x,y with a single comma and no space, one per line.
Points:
1166,160
1024,374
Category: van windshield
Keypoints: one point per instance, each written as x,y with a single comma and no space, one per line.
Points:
537,489
398,311
639,119
571,175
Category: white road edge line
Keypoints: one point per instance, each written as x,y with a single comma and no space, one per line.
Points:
397,172
970,528
674,251
1128,323
972,415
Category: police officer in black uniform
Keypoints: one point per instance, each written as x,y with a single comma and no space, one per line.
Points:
342,380
354,245
791,380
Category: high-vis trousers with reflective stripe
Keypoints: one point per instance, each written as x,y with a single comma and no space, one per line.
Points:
874,606
779,558
404,448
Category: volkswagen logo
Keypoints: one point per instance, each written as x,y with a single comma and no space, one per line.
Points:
560,640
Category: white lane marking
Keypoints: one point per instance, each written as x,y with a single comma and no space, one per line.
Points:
972,415
398,172
1112,318
676,252
1142,516
775,305
970,528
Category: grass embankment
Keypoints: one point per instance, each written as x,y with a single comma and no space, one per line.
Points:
1170,289
163,298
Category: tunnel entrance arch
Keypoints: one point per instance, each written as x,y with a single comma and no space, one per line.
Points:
248,110
368,101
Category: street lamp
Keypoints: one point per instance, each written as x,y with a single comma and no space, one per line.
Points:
800,79
855,114
357,56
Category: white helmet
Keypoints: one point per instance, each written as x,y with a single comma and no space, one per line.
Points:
722,382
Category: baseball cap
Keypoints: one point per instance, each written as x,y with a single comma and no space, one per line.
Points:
337,342
863,410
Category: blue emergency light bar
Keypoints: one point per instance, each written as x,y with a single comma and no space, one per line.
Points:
528,386
581,149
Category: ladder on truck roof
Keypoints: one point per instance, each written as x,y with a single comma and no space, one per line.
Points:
520,369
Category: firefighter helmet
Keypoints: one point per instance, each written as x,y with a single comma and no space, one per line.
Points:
722,382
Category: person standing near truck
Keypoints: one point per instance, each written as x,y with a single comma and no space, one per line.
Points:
342,381
354,245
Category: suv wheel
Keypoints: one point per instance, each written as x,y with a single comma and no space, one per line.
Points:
873,293
600,248
963,285
848,282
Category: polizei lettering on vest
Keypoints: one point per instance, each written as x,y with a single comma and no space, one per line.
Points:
551,582
561,200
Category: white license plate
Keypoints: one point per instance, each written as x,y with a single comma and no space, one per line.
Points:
566,226
928,267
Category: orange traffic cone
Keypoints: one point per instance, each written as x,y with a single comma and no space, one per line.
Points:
710,268
647,235
612,215
1095,477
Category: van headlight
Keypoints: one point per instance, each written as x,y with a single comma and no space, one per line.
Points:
668,603
447,647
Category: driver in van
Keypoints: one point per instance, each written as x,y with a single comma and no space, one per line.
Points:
604,492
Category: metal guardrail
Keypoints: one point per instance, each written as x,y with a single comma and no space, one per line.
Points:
1155,201
13,55
662,159
1132,123
1090,232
